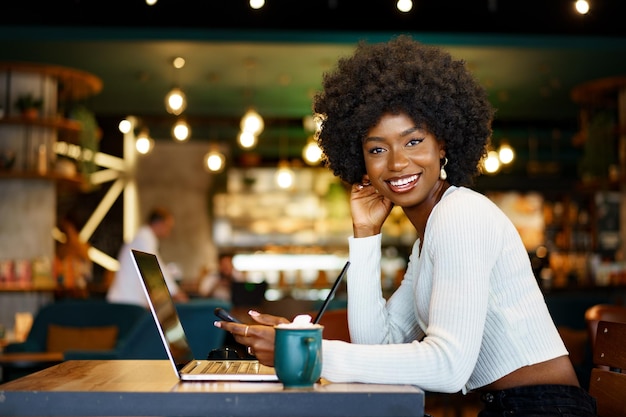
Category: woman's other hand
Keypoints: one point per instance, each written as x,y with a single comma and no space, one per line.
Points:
259,338
369,209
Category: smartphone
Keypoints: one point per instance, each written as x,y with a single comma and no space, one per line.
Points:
225,315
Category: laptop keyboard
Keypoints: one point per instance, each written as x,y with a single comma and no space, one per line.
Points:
231,367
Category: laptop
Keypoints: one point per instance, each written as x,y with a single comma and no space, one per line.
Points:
176,342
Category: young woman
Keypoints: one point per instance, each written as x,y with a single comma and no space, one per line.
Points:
406,125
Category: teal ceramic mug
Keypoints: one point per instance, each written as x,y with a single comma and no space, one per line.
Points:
298,355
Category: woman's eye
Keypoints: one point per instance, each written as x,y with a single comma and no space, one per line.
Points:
414,142
376,151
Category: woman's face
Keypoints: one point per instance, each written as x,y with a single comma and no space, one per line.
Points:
402,160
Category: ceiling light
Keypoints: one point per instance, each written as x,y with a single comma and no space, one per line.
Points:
312,153
257,4
284,175
125,126
491,163
247,140
181,130
506,153
144,143
175,101
178,62
404,5
582,6
252,122
214,161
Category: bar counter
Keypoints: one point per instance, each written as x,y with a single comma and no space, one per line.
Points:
151,388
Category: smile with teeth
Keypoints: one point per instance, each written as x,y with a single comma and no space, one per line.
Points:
402,181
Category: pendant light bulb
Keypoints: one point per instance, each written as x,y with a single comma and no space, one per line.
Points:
284,175
144,143
247,140
252,122
214,161
506,154
175,101
312,153
181,130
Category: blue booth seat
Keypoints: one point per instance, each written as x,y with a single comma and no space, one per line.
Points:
67,316
197,319
137,336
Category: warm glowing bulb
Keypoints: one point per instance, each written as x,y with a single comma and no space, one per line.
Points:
284,176
404,5
125,126
506,154
247,140
181,131
492,163
175,101
214,161
257,4
582,6
151,2
143,144
178,62
312,153
252,122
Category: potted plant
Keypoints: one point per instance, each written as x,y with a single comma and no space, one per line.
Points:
28,105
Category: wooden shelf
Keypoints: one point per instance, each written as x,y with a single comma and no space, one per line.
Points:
74,84
33,175
57,123
69,130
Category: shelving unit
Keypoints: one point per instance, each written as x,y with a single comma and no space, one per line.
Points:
28,187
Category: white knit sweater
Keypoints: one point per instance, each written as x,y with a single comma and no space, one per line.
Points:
468,311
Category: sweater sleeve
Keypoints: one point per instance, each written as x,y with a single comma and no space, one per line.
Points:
458,253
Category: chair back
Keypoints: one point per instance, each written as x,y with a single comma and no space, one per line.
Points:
335,324
608,380
606,312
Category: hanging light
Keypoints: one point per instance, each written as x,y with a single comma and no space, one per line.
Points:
257,4
214,161
252,122
284,175
247,140
181,130
506,153
175,101
404,5
491,163
582,6
144,142
125,126
311,153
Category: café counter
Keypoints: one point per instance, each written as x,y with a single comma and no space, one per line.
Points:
151,388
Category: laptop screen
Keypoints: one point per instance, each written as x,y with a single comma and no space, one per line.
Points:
161,302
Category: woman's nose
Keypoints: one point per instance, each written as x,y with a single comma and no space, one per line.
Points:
397,160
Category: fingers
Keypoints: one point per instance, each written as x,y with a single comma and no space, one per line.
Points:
267,319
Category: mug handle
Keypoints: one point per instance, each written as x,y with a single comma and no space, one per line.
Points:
311,358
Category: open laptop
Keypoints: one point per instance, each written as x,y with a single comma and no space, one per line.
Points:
176,342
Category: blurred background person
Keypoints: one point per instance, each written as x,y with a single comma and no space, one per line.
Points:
126,287
219,284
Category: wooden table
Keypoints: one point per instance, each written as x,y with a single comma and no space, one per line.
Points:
151,388
16,364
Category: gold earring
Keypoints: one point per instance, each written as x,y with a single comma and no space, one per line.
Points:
442,173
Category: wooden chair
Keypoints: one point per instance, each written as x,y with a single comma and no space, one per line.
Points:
608,380
335,324
599,312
